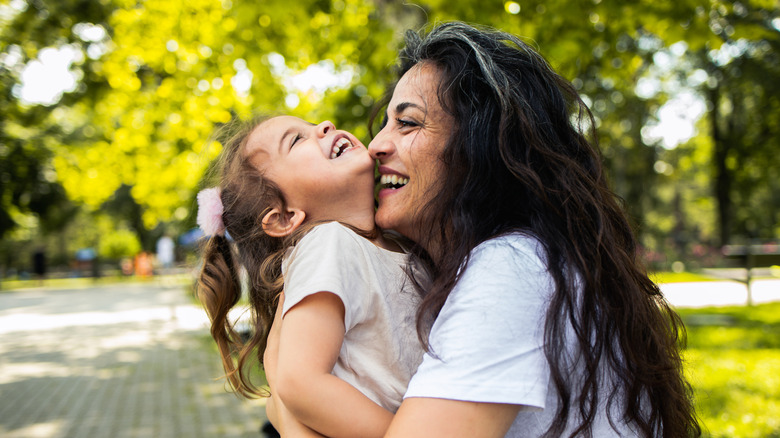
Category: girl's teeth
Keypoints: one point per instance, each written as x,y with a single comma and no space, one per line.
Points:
341,145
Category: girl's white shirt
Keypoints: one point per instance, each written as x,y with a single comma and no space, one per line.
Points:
381,350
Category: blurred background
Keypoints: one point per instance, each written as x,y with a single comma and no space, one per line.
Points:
107,108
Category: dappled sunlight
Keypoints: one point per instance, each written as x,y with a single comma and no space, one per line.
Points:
131,361
13,372
720,293
737,391
33,321
732,361
38,430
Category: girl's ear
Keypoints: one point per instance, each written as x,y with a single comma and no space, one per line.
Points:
278,223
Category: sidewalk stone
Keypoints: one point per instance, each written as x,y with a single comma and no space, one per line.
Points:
130,360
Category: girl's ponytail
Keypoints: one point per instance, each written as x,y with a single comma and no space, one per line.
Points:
235,208
219,290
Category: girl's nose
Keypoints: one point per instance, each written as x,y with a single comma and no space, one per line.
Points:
324,127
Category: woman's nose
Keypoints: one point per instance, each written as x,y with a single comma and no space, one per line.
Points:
380,146
324,127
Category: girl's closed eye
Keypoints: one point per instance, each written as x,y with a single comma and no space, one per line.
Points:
296,139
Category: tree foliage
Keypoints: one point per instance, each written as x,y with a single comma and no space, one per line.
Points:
157,76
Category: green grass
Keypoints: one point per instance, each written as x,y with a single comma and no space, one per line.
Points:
83,282
678,277
733,363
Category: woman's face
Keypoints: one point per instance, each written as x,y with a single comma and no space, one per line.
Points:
408,149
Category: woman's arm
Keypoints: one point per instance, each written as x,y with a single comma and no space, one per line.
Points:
433,417
310,340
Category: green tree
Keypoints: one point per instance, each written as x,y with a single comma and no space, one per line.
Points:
156,77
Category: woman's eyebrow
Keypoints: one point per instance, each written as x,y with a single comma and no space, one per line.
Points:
404,105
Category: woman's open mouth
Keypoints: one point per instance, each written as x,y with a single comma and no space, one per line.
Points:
393,181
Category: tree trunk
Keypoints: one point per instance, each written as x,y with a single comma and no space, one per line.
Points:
723,178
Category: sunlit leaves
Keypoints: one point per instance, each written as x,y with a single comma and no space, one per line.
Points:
163,73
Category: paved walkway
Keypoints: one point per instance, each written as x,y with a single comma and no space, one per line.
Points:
130,360
721,293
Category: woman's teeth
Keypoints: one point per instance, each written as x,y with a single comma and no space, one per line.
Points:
340,147
393,181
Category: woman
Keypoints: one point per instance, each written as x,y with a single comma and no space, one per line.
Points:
539,320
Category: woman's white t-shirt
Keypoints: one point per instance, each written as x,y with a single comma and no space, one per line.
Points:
487,342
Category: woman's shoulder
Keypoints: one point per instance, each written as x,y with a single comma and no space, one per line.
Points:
517,246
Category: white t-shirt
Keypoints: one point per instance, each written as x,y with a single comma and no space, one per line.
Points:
487,342
381,349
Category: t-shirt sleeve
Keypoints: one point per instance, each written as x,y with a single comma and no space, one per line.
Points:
487,342
328,259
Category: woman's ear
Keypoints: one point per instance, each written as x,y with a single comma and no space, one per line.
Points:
278,223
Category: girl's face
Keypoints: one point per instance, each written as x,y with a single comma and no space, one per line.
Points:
325,172
408,150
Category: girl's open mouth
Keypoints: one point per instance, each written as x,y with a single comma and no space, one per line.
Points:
340,146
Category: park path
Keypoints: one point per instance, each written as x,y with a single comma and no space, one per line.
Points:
721,293
127,360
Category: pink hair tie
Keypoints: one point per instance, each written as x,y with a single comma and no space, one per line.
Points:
210,212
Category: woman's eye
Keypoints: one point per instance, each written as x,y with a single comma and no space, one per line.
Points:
406,123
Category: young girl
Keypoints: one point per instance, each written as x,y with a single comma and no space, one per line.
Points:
297,201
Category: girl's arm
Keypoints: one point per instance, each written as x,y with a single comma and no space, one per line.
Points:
278,414
427,417
310,340
284,421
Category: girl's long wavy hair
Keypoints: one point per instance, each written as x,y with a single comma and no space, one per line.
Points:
246,197
519,158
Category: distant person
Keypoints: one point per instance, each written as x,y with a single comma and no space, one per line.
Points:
143,264
165,252
297,201
39,264
86,262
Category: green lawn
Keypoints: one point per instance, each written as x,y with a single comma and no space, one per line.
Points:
678,277
83,282
733,362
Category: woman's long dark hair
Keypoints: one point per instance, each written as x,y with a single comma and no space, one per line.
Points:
519,159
